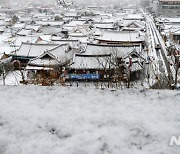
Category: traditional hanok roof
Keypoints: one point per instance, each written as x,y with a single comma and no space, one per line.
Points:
19,25
62,53
56,56
51,30
71,14
90,62
44,39
121,36
134,17
105,26
135,55
176,32
119,50
29,67
33,49
73,43
17,41
46,59
169,20
50,23
2,28
25,19
24,32
134,25
33,27
75,23
7,49
136,66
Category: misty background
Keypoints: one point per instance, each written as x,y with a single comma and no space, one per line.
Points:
75,2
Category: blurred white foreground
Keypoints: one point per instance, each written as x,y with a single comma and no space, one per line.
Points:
62,120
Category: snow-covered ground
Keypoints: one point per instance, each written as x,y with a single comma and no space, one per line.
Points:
63,120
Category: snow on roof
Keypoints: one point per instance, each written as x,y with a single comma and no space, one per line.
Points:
17,41
2,22
134,17
75,23
28,67
33,27
74,43
33,49
5,38
82,39
136,66
77,34
7,49
2,28
169,20
25,19
68,28
61,53
24,32
105,26
51,23
43,62
121,36
46,38
71,14
120,51
67,19
83,62
57,55
51,30
176,32
136,24
19,25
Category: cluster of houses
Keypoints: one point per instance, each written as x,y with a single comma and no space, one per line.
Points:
170,31
88,43
166,7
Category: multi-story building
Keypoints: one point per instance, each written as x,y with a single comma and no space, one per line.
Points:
167,7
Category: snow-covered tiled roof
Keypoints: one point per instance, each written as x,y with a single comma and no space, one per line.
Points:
119,50
33,27
75,23
24,32
105,26
134,17
34,49
2,28
121,36
83,62
57,55
19,25
28,67
51,23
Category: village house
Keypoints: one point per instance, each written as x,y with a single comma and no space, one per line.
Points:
170,30
175,36
101,62
47,67
121,37
134,26
28,51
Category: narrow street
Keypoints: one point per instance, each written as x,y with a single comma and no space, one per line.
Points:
157,53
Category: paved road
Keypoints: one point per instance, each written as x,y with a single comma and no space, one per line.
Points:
158,50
